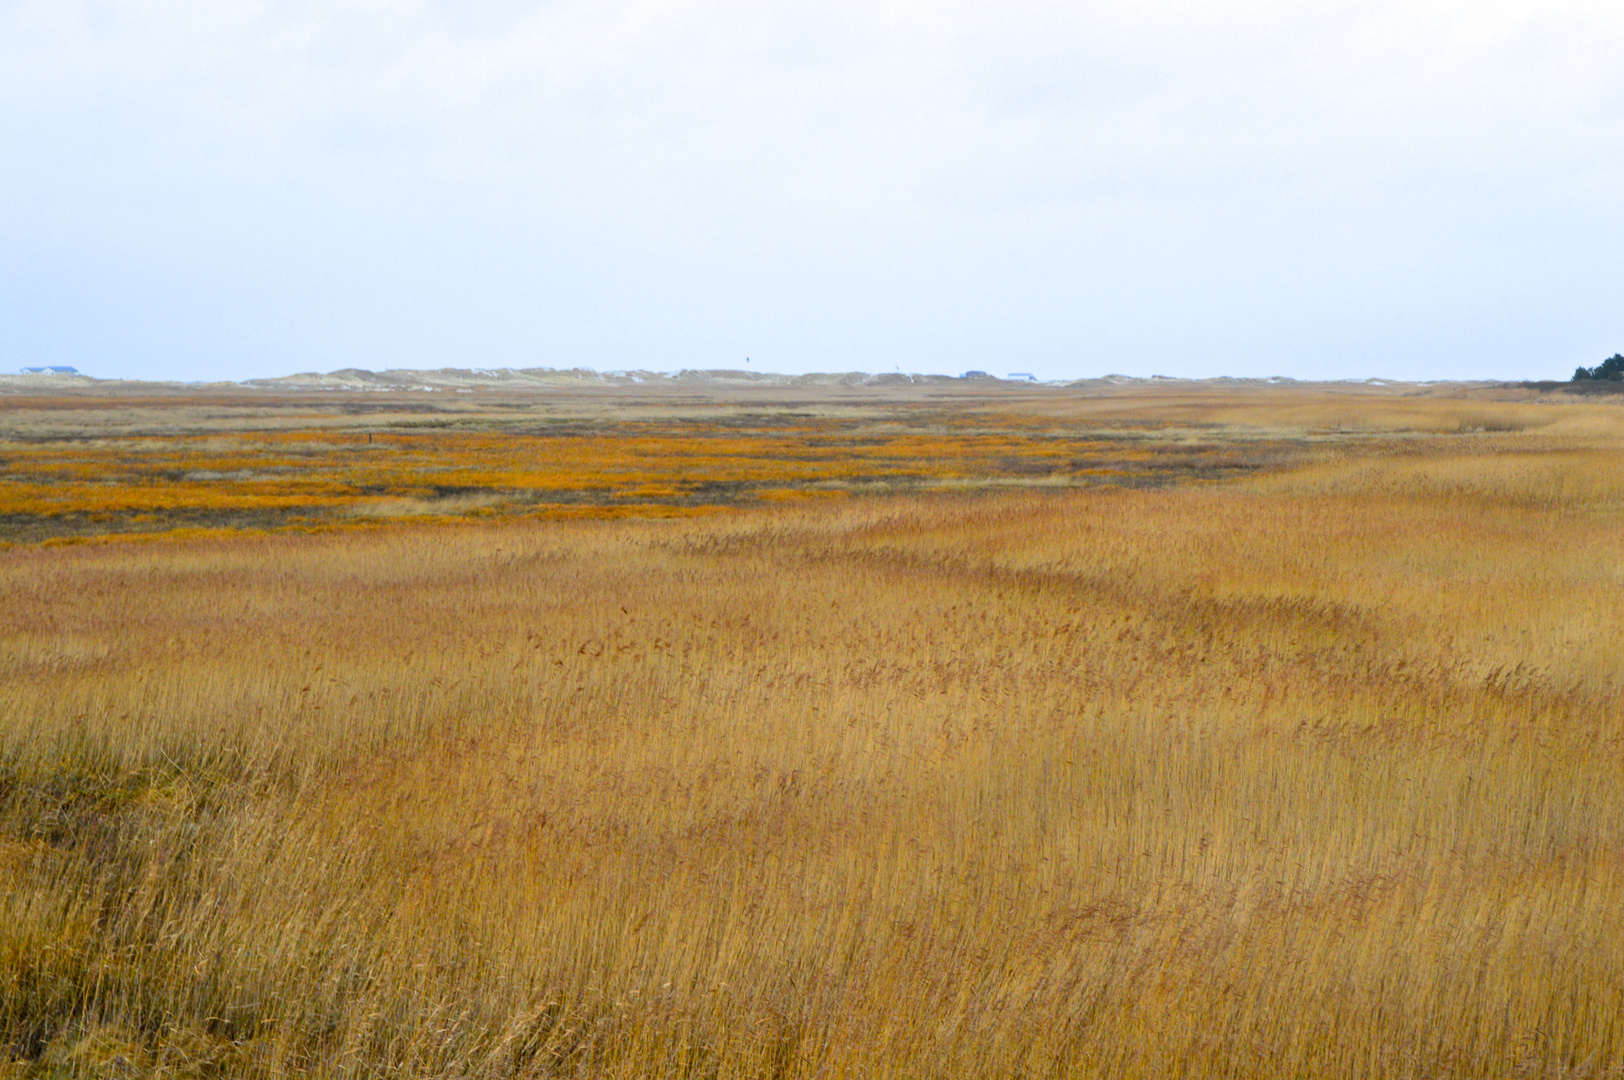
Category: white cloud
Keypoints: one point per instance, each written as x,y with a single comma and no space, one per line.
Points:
1306,188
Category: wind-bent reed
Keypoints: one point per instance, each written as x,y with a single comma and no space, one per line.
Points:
1313,775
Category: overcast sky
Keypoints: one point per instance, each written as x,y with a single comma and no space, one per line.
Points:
203,189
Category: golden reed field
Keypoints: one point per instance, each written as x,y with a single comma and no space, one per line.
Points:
1142,732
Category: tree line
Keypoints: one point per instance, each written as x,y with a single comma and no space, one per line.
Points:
1610,368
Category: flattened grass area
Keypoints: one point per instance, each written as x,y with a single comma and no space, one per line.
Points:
1305,770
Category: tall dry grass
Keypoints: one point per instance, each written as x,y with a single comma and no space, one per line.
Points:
1315,776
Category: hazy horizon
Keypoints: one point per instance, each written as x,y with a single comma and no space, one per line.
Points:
750,370
1337,190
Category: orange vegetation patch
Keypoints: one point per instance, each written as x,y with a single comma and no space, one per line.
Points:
146,482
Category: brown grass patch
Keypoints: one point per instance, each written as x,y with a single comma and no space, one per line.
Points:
1309,775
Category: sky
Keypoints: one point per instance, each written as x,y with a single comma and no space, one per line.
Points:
224,189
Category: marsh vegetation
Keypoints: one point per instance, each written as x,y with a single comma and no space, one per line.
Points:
1307,768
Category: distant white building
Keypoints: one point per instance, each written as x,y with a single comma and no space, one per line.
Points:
54,369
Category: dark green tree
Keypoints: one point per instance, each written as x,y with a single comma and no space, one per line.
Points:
1610,368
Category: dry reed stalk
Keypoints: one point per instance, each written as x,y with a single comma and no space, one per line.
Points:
1310,776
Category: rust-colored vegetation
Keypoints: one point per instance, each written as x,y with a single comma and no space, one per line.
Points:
1308,771
67,470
